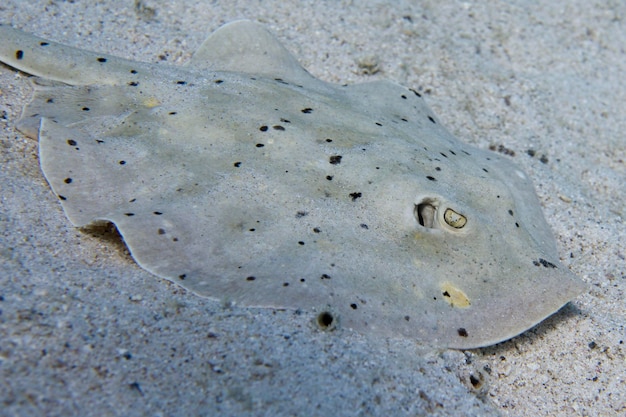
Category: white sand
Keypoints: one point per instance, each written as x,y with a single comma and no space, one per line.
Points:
84,331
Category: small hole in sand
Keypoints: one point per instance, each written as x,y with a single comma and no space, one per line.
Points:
325,320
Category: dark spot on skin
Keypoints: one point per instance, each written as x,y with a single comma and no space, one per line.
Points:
301,243
354,196
437,169
404,120
431,178
102,60
329,177
452,152
546,264
301,214
307,110
407,318
50,100
285,284
543,159
19,54
446,294
67,180
531,152
462,332
511,212
133,83
259,145
329,140
218,81
516,224
181,82
335,159
122,162
284,120
161,231
174,239
43,44
133,71
172,113
280,80
325,276
353,306
364,226
182,276
61,198
263,128
85,109
485,169
237,164
129,214
415,92
378,124
99,141
250,278
278,127
443,154
403,97
158,213
316,230
431,119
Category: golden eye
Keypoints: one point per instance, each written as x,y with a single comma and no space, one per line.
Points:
454,219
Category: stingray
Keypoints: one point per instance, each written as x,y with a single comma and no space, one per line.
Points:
241,177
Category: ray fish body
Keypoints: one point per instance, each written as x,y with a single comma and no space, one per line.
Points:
242,177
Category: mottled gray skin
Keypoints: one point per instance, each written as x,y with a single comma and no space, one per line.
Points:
241,177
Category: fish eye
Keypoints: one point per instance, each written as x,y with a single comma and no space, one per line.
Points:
454,219
426,214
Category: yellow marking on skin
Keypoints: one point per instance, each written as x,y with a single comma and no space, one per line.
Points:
151,102
454,295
